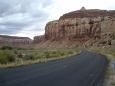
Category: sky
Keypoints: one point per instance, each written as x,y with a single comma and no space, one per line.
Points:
29,17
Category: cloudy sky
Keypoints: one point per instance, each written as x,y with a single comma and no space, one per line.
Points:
28,17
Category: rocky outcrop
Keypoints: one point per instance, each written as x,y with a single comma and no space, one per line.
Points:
82,26
38,39
14,41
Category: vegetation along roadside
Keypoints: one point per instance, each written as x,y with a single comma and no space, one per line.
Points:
13,57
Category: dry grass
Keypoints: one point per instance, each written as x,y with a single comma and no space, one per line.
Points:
39,56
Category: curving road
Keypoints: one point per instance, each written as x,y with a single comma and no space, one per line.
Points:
86,69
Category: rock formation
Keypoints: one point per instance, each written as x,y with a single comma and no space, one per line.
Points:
82,27
38,39
14,41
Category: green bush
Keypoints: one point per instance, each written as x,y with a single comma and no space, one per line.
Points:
6,57
47,54
6,48
41,56
51,54
70,52
55,54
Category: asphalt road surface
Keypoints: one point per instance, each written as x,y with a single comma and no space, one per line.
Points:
86,69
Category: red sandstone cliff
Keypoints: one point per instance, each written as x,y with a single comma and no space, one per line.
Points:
14,41
82,27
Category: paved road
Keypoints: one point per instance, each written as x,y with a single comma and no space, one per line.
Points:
85,69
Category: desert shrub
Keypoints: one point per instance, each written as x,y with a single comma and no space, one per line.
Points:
6,57
51,54
15,51
42,55
47,54
28,57
21,48
70,52
6,48
62,53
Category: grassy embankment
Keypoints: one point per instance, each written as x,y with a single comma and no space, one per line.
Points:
12,57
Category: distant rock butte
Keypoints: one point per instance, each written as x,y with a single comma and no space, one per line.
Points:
92,27
15,41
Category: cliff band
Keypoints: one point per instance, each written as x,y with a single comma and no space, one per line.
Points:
92,27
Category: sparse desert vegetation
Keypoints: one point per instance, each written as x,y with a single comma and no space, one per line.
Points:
11,57
6,57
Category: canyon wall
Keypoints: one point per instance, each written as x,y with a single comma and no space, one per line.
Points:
82,27
15,41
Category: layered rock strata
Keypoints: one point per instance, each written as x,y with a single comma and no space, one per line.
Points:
14,41
82,26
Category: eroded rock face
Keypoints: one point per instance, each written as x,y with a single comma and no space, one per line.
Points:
14,41
83,25
38,39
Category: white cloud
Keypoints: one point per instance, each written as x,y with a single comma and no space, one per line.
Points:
100,4
18,17
31,16
29,34
30,31
63,6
